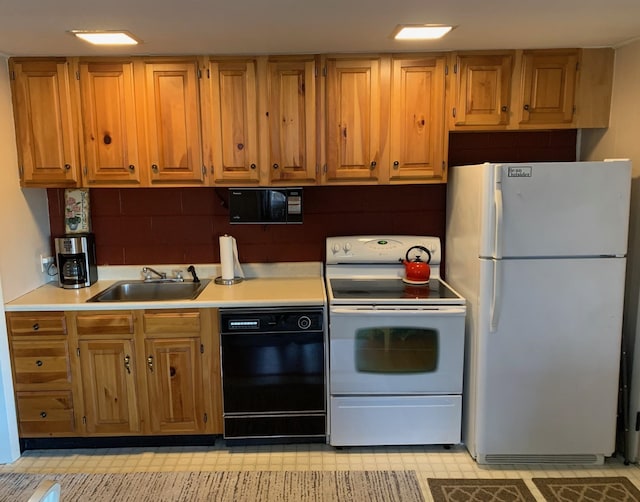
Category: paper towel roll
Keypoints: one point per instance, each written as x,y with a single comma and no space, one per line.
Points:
229,262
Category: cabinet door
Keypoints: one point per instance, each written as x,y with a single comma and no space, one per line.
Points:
548,87
43,110
482,89
109,124
173,125
108,385
233,121
292,120
417,119
353,108
174,380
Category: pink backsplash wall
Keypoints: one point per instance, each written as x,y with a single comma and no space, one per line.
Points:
141,226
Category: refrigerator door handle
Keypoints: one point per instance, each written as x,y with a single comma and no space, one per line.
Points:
497,200
495,296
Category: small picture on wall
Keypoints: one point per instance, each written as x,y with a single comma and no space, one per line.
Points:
76,211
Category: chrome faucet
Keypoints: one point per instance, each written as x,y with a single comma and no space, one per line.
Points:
147,271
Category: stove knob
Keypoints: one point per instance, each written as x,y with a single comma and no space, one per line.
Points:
304,322
335,248
347,247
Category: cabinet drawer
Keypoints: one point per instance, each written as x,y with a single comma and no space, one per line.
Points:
45,413
105,324
41,324
42,363
171,322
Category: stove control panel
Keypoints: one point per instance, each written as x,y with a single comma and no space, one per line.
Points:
379,249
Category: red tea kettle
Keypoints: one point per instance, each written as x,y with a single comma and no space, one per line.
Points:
416,271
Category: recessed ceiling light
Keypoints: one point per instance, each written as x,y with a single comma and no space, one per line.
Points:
421,31
106,37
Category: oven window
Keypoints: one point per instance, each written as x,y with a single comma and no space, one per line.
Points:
396,350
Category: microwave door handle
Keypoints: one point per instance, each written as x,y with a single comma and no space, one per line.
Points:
496,296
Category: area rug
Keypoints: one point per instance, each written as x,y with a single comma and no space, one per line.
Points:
480,490
258,486
613,489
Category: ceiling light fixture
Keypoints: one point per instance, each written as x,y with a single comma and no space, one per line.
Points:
420,31
106,37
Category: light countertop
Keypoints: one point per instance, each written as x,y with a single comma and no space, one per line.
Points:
265,285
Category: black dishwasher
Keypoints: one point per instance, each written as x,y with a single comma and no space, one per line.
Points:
273,374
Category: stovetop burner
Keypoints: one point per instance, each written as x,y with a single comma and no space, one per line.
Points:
389,289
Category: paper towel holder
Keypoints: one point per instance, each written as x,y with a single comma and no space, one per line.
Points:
227,282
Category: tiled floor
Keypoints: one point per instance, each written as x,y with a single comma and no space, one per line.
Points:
427,461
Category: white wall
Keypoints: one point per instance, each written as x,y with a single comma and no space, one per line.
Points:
622,140
24,226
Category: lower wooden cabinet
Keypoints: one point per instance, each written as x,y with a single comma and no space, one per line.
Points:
115,373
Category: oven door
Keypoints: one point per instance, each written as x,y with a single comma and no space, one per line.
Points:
396,349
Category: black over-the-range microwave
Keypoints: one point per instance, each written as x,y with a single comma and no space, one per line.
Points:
265,205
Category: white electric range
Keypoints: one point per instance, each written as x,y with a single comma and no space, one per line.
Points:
396,350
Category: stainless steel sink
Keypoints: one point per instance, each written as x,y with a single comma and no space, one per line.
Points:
141,291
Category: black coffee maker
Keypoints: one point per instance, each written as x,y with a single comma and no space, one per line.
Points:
76,260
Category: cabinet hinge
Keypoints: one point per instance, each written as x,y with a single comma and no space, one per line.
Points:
446,70
85,170
455,68
315,70
208,73
199,73
202,348
204,170
84,420
206,418
454,112
324,169
21,171
12,75
77,75
574,110
444,165
324,71
78,351
211,169
577,66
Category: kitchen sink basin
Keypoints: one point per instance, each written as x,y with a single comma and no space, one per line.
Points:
141,291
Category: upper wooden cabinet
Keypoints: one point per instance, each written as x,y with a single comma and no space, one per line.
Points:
275,120
355,101
547,87
231,118
110,124
292,120
481,89
43,104
172,118
417,120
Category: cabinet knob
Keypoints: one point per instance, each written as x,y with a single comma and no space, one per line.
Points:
132,167
154,168
127,363
252,166
43,414
240,146
107,139
36,327
38,362
276,166
67,166
526,107
396,164
373,164
150,363
504,108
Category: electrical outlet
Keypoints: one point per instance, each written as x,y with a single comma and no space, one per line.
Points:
45,262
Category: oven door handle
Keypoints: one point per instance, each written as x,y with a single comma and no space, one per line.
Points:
397,311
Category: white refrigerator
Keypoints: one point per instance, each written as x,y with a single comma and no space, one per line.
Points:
539,252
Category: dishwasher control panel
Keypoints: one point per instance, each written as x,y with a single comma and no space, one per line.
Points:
247,320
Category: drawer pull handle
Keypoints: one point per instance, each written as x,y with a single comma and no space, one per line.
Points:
38,362
127,363
36,327
150,363
43,414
